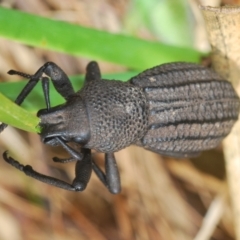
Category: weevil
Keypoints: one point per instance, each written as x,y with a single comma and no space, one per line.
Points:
175,109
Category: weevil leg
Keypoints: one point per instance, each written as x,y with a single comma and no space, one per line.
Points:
112,173
92,72
100,174
111,179
45,87
71,151
59,79
83,171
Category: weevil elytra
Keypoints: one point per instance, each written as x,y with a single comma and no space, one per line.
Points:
177,109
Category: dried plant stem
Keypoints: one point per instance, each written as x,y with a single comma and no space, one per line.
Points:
212,218
223,26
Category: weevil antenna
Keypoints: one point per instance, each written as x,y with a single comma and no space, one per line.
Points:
25,75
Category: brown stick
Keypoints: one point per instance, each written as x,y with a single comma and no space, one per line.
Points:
223,26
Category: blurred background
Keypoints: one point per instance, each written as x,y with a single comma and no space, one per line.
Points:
161,198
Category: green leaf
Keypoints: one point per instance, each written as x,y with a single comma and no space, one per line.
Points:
15,116
76,40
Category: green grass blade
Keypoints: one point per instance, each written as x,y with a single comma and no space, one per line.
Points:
76,40
16,116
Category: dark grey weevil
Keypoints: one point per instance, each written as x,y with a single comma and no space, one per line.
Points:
176,109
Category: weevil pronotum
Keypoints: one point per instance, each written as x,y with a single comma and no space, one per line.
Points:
177,109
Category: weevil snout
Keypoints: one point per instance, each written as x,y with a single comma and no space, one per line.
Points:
52,125
68,122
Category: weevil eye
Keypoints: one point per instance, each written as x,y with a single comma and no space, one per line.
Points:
83,138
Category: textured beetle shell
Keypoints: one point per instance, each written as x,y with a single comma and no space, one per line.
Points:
117,112
191,108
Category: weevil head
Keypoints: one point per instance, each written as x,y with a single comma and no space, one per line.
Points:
68,121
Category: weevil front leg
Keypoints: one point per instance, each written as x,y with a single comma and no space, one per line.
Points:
111,178
83,170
